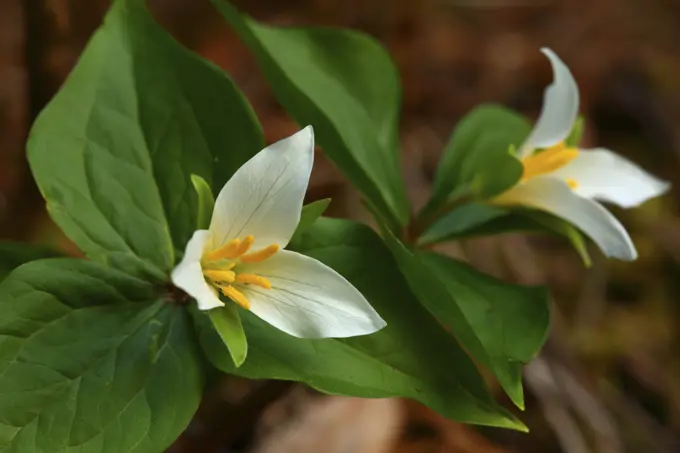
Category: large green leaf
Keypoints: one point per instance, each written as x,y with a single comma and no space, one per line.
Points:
92,361
412,357
477,160
114,151
437,288
436,298
511,321
345,85
14,254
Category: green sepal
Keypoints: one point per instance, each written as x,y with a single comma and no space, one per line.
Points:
206,202
227,322
310,214
566,230
574,137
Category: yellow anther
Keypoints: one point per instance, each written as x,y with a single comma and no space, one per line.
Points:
555,149
253,279
220,275
573,184
236,295
548,161
244,246
219,265
228,251
260,255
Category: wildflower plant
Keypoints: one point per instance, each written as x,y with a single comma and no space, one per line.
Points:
110,353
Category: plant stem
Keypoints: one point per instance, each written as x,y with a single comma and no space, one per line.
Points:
420,225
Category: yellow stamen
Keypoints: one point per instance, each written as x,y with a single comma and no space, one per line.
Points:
244,246
228,251
254,280
236,295
260,255
573,184
220,275
548,161
219,265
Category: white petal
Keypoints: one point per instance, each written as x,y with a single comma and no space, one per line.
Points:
188,274
560,108
555,196
309,299
264,197
606,176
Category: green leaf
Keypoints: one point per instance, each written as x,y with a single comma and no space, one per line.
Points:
477,159
227,323
412,357
511,321
92,360
344,84
14,254
435,296
206,202
114,151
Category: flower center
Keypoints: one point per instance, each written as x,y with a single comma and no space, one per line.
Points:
548,161
220,268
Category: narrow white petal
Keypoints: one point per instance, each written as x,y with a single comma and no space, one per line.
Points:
264,197
560,108
606,176
309,299
555,196
188,274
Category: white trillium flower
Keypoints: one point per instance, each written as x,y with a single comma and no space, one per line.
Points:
566,182
241,254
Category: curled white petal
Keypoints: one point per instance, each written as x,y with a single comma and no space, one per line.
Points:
559,111
188,274
554,196
309,299
264,197
604,175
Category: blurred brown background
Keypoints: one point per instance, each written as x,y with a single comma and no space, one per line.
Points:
608,380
